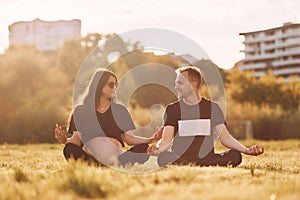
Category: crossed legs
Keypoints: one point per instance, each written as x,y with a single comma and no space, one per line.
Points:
231,157
136,154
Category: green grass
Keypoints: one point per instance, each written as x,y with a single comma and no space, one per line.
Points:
40,172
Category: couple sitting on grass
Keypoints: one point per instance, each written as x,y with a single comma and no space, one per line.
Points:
99,128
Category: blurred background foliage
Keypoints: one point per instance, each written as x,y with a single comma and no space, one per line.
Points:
36,90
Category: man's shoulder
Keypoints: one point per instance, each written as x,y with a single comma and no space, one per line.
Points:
205,100
174,104
206,103
173,107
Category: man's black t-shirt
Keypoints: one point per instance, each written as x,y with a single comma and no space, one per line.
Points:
193,147
113,123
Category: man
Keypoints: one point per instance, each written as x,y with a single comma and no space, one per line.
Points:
192,122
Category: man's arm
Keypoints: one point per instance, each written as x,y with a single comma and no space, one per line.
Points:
230,142
164,143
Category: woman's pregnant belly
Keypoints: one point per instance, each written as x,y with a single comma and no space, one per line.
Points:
105,149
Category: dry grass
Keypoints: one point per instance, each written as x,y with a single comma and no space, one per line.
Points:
40,172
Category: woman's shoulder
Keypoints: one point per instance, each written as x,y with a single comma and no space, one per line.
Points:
78,107
119,111
118,106
81,109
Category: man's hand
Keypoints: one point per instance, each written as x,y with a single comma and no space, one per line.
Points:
254,150
60,135
158,134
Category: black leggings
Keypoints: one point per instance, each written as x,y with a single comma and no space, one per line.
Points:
136,154
231,157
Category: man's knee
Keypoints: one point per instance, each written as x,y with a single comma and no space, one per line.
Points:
236,158
165,158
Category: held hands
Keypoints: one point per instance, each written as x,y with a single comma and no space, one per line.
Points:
254,150
60,135
156,136
153,150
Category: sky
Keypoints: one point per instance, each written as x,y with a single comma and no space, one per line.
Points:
212,24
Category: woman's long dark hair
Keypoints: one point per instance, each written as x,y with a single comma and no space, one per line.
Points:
94,90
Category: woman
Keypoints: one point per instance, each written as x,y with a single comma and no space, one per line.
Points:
100,127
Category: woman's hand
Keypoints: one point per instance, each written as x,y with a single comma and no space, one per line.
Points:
60,135
254,150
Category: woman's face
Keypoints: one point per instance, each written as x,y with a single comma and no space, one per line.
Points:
109,90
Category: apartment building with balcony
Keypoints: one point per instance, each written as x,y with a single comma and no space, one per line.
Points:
46,35
277,49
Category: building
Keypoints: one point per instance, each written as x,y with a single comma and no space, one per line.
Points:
46,35
277,49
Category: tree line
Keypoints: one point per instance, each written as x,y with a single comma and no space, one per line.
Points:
36,89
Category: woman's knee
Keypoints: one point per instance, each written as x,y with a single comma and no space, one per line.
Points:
141,148
72,151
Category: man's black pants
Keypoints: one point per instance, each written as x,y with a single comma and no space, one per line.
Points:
231,157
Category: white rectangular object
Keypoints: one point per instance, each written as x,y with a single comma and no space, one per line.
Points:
197,127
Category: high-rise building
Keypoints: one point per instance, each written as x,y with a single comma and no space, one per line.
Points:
277,49
46,35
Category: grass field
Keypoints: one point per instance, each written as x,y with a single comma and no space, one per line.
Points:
40,172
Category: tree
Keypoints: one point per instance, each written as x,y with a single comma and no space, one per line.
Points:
269,101
266,90
33,98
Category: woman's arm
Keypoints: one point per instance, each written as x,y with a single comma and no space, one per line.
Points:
60,136
132,139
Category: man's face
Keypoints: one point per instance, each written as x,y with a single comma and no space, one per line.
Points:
183,85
